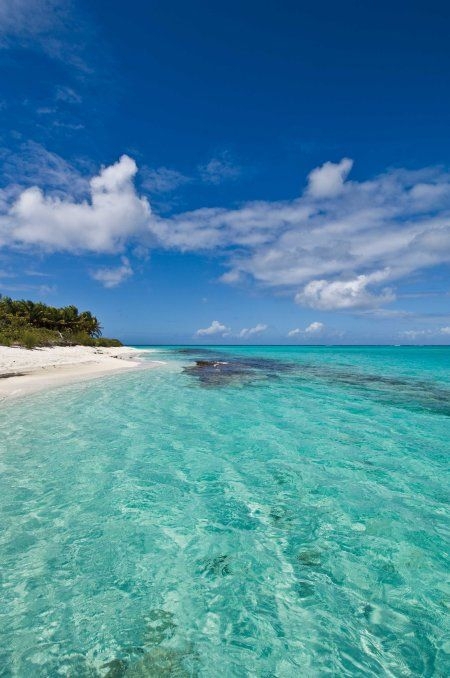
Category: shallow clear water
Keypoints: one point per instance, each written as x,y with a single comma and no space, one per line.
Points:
273,512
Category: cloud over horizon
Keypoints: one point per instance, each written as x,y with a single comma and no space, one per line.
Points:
315,328
215,328
248,332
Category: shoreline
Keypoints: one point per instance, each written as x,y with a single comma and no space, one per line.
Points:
24,371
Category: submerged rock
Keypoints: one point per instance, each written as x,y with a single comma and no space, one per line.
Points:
220,566
115,668
310,557
281,516
160,627
155,659
163,661
227,370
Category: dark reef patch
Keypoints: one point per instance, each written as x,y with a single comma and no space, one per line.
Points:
225,370
403,392
215,369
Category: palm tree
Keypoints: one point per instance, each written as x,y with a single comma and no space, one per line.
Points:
67,321
89,323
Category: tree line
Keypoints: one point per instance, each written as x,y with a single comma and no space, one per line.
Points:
32,323
37,314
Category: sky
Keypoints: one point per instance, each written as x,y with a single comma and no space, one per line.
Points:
229,172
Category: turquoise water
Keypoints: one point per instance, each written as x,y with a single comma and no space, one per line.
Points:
271,512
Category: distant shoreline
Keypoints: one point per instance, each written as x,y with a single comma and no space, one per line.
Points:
24,371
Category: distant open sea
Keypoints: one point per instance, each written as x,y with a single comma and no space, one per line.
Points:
268,512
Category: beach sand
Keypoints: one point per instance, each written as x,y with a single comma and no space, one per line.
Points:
24,371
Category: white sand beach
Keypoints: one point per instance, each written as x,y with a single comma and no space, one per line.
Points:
24,371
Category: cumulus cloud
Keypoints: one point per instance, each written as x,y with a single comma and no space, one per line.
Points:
445,330
327,181
341,245
396,224
112,277
112,216
344,294
315,328
215,328
231,277
247,332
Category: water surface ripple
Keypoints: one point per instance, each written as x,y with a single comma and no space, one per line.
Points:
268,512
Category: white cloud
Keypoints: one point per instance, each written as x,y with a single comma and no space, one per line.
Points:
112,277
34,165
219,169
396,224
162,179
315,328
231,277
252,331
345,252
445,330
105,223
215,328
327,181
344,294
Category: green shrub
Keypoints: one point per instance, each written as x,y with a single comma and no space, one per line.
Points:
30,339
84,339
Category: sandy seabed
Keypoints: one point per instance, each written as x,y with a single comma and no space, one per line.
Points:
24,371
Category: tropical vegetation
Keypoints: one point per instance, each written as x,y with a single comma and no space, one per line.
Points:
30,324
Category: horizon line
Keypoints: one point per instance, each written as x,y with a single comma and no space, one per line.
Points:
300,345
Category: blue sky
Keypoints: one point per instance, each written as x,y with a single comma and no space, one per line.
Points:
218,172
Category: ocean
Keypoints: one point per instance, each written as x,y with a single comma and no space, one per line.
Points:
273,512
